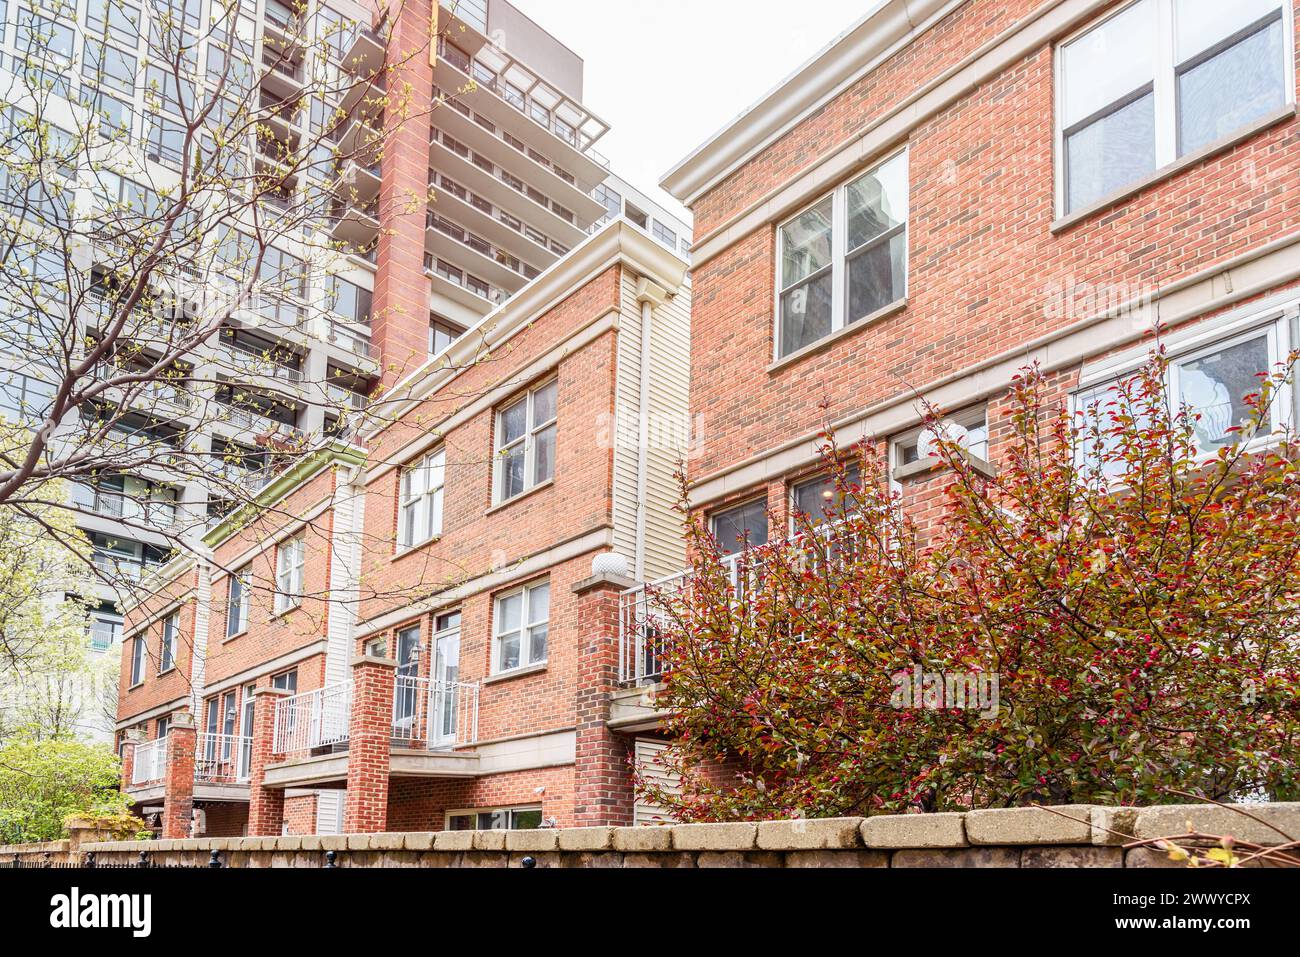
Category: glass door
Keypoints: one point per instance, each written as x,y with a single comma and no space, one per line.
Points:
444,701
245,766
406,690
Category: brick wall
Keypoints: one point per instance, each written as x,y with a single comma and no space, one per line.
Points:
157,689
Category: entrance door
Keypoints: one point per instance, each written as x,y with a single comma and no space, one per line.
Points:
444,701
406,690
244,767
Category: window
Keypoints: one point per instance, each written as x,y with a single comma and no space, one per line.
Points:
611,200
665,235
526,442
286,681
970,429
288,575
24,399
521,627
137,660
819,498
420,509
163,725
843,259
442,334
1161,79
237,600
742,527
637,218
1211,382
170,632
496,819
166,141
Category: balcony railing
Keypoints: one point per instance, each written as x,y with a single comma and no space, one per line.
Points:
222,758
312,720
434,715
645,611
150,762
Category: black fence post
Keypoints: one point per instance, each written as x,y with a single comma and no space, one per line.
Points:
90,859
216,859
144,859
330,858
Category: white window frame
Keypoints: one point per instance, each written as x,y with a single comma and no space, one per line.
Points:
1278,325
839,256
967,417
289,573
171,629
526,626
532,429
1165,88
431,498
237,612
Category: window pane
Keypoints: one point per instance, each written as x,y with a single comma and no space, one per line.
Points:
1224,93
509,652
1108,62
514,422
526,820
1111,152
509,612
806,314
537,644
544,458
877,276
1199,25
512,472
544,404
806,243
1214,387
539,603
818,497
877,202
730,527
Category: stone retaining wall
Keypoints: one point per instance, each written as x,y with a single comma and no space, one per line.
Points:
1072,836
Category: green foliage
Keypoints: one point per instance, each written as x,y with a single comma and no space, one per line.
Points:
43,783
1136,599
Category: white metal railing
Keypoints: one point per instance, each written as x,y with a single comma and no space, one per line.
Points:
314,719
435,715
222,758
150,762
645,610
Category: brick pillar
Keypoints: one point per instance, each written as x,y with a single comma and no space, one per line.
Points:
603,793
178,785
370,733
128,762
400,322
265,805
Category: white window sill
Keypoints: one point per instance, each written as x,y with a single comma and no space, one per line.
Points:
1172,169
933,463
404,550
842,333
515,673
239,634
542,486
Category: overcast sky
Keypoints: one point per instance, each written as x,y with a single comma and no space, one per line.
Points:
667,74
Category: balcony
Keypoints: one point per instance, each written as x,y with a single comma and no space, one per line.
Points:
470,291
312,721
503,89
355,225
345,399
453,242
150,765
357,343
222,760
434,715
363,52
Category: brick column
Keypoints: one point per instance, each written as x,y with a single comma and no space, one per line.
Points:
265,805
128,762
400,323
178,785
603,793
370,734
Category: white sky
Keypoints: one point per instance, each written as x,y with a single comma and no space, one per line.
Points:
667,74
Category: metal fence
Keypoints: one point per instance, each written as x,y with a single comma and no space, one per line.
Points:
314,719
222,758
434,714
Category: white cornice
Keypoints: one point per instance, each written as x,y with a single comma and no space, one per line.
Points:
617,243
891,25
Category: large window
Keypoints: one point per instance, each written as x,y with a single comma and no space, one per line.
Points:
1211,382
821,499
237,601
420,510
289,559
522,627
742,527
496,819
526,442
844,258
1161,79
170,633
